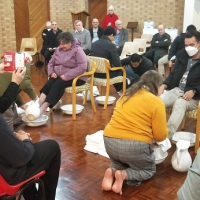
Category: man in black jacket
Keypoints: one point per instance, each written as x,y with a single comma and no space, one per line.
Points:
104,48
137,65
96,32
183,83
177,45
159,45
51,42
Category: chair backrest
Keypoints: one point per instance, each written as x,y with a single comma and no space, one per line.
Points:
101,64
142,44
148,37
29,45
129,48
92,66
6,189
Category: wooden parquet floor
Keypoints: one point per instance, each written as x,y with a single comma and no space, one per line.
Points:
81,172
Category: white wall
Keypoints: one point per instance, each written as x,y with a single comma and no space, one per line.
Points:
191,14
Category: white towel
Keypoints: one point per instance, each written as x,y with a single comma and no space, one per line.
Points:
96,137
91,148
165,144
95,144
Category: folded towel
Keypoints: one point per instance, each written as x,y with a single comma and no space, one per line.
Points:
103,153
96,137
91,148
95,144
165,144
88,142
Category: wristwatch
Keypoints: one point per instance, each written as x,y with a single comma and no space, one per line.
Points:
194,91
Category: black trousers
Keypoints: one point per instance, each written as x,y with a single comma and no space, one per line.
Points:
55,88
46,157
155,55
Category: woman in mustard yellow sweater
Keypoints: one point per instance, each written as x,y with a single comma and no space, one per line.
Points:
138,118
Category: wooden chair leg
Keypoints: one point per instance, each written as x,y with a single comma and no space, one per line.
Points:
92,99
183,123
73,105
100,90
197,133
85,97
107,95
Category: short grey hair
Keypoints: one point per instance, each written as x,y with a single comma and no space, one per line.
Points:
77,21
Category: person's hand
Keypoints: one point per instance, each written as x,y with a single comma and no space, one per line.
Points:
22,135
165,40
109,24
63,78
188,95
162,88
50,49
18,75
24,106
53,75
2,67
156,42
170,64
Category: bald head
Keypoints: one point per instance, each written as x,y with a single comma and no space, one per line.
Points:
161,29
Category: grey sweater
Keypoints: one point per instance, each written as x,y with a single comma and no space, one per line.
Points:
84,37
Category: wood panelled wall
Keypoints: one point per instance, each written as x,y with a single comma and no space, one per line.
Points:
168,12
30,19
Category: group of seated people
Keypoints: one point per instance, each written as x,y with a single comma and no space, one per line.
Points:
142,100
86,37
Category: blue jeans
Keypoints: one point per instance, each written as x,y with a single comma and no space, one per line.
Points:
130,73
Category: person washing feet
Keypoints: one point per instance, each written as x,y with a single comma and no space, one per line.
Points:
138,118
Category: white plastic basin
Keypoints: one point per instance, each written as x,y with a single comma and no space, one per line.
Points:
101,100
67,109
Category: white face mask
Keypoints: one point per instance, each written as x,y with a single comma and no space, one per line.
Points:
191,51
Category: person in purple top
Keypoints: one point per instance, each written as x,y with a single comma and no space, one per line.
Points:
68,62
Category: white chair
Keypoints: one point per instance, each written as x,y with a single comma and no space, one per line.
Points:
148,38
30,45
142,45
129,48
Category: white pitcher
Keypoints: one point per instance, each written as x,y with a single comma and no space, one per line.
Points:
181,159
32,112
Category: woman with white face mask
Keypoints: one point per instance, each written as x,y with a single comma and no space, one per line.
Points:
183,82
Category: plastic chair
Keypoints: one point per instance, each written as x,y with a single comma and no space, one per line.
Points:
148,38
129,48
142,44
30,45
195,114
87,86
103,66
11,191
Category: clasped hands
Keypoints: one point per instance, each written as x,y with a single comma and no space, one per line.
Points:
54,75
22,135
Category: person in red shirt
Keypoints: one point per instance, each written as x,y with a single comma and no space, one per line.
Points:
110,18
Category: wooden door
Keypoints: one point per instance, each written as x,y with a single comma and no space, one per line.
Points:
30,19
38,15
97,9
21,21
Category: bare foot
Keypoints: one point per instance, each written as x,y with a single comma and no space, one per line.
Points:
120,176
108,179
